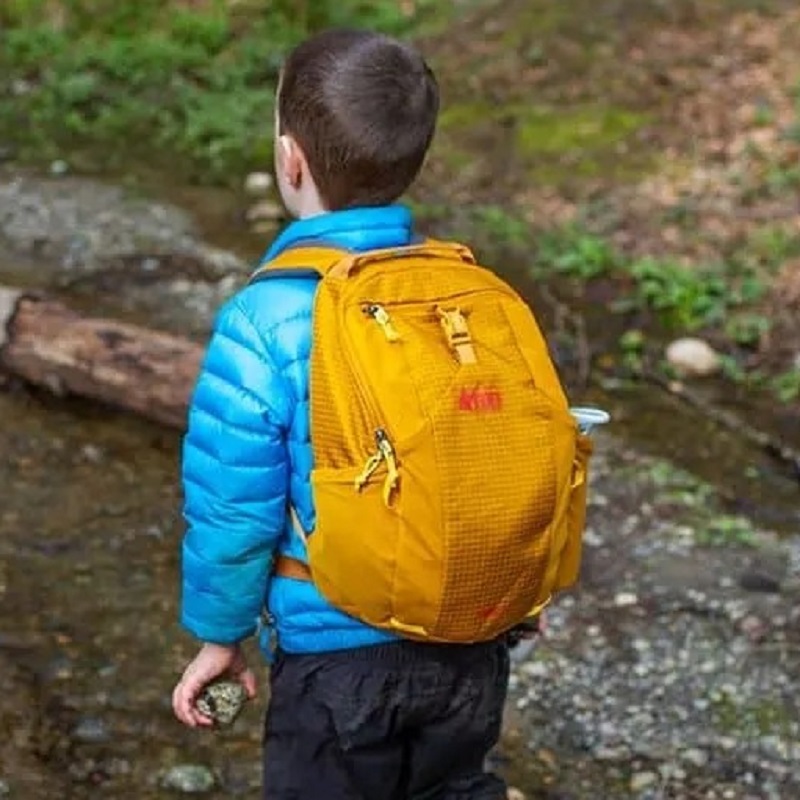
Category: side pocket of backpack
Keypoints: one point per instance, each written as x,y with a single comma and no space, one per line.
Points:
570,562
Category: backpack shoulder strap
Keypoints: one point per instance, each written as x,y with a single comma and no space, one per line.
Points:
302,261
351,263
428,248
323,261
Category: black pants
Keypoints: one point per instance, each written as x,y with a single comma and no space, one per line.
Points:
403,721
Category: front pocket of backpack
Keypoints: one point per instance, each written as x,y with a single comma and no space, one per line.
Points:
352,549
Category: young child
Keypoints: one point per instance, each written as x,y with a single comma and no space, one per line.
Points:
355,712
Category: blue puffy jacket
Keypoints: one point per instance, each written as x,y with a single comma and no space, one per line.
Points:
247,454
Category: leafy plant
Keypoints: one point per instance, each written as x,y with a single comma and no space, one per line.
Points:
746,328
685,297
632,344
771,245
727,531
786,385
168,79
574,252
500,227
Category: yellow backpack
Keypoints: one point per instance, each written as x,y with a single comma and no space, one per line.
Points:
449,476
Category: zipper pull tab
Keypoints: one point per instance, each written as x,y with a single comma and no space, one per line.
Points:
381,316
385,454
392,481
373,462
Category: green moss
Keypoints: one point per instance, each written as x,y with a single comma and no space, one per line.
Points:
763,718
552,143
555,131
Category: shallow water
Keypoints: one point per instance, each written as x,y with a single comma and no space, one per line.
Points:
89,534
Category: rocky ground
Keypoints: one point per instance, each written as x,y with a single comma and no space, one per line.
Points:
671,672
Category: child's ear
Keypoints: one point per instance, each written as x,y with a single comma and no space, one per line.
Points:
291,160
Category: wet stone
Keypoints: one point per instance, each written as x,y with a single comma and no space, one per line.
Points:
92,454
188,778
60,669
625,599
691,356
222,701
265,210
91,730
643,780
695,757
258,183
620,753
757,581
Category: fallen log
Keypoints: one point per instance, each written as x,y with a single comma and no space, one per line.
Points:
152,373
47,344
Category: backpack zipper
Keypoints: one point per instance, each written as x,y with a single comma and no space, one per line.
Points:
384,452
381,316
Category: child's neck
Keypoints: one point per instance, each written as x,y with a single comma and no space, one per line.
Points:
311,206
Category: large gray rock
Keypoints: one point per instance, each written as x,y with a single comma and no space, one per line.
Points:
78,225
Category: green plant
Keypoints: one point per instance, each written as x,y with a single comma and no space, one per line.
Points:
782,179
786,385
764,115
727,531
771,245
732,369
83,75
746,328
576,253
500,227
685,297
632,344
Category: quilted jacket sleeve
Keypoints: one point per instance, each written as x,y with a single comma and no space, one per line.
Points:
235,474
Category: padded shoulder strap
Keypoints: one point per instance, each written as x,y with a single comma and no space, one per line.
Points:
428,249
299,261
324,261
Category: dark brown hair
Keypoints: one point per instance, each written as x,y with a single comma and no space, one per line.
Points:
363,107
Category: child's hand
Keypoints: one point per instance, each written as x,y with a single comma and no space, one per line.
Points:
213,661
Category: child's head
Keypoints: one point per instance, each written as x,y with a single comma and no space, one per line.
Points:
356,113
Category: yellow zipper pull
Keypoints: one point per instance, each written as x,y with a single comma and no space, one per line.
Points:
373,462
381,316
392,472
387,455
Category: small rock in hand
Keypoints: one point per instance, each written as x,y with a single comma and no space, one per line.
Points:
222,701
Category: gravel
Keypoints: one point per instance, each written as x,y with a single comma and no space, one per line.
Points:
660,677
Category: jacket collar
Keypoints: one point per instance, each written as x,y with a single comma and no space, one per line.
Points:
356,229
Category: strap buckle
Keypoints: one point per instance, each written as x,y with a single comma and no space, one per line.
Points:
455,327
